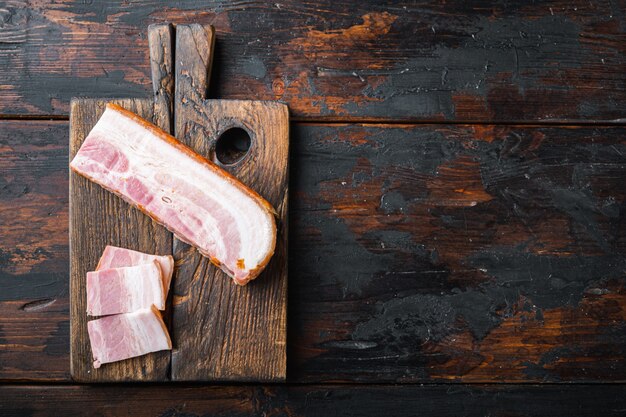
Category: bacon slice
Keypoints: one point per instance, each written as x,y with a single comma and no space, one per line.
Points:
114,257
124,290
123,336
199,202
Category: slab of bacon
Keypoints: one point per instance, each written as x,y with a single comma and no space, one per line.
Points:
124,290
114,257
192,197
123,336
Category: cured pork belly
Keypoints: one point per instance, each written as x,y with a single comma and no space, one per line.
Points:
199,202
123,336
114,257
124,290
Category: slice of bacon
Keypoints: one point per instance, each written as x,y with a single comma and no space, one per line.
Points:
124,290
114,257
123,336
199,202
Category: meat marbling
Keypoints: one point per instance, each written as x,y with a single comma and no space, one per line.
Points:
124,290
123,336
115,257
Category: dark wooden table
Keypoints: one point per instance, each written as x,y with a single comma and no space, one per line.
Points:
458,215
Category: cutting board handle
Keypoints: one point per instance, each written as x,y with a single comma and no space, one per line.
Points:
160,40
184,82
194,59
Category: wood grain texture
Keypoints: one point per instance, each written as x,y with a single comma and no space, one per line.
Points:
223,331
161,43
465,253
385,284
312,401
99,218
34,316
336,59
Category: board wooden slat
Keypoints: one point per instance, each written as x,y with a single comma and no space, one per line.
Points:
315,400
99,218
223,331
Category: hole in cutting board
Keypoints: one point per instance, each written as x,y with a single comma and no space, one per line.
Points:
232,146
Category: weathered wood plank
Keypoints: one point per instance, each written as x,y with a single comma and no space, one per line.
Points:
224,331
99,218
34,342
488,60
34,315
458,253
243,331
311,401
418,253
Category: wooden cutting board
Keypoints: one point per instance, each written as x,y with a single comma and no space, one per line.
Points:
220,331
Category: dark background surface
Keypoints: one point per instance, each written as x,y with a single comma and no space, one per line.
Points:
456,214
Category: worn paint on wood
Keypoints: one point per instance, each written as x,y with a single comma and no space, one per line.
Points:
385,284
486,60
466,253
